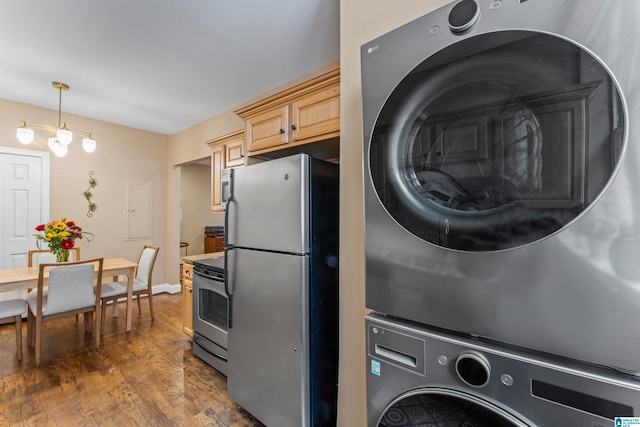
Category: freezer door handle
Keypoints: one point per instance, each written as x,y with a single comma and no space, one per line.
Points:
230,201
228,289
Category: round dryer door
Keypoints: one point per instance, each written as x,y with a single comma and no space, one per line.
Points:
441,407
497,141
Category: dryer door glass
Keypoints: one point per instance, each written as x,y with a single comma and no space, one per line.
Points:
497,141
427,410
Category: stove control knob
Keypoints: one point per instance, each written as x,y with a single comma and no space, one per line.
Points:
473,369
463,16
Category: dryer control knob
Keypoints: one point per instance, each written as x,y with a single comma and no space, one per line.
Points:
463,16
473,369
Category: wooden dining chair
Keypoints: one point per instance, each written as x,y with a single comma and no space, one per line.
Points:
70,290
12,310
141,283
39,256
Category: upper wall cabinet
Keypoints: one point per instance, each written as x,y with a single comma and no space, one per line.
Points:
226,152
305,113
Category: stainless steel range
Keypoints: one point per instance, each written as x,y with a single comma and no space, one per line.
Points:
210,313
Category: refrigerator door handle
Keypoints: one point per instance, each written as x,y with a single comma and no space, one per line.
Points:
227,288
230,201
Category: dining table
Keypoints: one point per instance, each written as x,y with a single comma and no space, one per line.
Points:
15,279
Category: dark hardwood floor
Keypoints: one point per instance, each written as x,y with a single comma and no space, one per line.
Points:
147,377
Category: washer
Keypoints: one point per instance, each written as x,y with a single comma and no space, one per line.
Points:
502,177
418,376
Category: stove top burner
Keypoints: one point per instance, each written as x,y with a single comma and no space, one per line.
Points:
212,262
215,265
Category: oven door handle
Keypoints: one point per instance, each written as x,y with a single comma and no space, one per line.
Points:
227,289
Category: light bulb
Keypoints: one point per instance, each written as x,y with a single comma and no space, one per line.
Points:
64,135
89,144
57,147
24,134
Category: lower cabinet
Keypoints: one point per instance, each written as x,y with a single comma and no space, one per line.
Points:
187,299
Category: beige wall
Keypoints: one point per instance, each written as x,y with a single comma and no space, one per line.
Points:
360,22
184,147
122,155
195,201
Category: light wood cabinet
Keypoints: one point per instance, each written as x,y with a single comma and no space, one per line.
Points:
187,299
234,153
226,152
302,114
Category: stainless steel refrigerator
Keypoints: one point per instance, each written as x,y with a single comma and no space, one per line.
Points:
282,283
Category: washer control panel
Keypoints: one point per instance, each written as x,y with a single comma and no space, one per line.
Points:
406,359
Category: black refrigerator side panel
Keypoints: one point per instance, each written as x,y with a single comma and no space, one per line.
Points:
323,293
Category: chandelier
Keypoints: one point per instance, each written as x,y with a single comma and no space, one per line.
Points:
62,136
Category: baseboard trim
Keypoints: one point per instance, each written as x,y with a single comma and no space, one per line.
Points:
166,288
159,289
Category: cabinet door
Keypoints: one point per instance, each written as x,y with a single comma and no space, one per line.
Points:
317,115
217,164
268,129
187,299
234,153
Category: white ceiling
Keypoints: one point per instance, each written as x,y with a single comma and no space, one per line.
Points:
159,65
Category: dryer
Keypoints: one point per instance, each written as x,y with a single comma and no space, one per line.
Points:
502,175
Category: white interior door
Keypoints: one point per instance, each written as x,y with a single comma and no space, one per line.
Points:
24,192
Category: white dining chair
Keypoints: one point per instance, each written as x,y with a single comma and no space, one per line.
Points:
41,256
70,291
11,311
141,283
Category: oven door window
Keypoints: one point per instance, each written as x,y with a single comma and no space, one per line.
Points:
497,141
213,308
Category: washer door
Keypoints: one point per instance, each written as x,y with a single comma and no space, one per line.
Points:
497,141
442,407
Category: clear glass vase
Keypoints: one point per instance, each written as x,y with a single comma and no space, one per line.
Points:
62,255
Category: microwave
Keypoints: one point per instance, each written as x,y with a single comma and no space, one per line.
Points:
225,187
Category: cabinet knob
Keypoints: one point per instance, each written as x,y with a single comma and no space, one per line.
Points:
281,130
294,127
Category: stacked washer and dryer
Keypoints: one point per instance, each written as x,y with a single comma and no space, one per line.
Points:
502,205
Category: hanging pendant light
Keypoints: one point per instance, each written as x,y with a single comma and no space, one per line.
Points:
63,136
89,144
58,148
24,134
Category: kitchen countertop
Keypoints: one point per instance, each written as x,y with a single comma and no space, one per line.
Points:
189,259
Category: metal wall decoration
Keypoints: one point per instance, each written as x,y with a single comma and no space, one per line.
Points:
88,194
